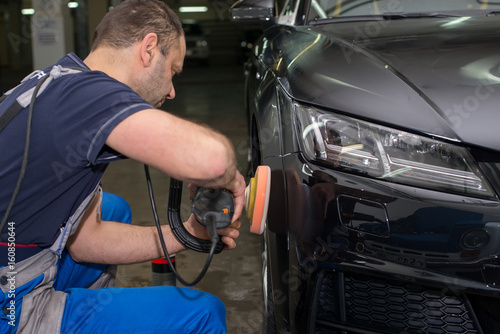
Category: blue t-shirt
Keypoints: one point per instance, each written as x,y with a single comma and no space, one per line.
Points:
72,119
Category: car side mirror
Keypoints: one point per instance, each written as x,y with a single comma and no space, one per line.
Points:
253,12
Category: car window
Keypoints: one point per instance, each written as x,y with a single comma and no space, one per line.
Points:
325,9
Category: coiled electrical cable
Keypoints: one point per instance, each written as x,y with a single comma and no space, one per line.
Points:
211,229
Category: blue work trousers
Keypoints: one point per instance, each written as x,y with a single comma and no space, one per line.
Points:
172,310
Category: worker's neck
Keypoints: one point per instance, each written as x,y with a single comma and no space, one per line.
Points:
115,63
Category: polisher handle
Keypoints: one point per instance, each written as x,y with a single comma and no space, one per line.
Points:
213,206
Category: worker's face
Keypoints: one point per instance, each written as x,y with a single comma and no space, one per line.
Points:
159,85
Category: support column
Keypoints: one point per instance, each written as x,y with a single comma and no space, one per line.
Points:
96,10
52,27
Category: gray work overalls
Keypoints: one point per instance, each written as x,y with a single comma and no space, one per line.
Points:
28,285
43,307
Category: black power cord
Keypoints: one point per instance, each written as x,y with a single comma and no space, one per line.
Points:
211,229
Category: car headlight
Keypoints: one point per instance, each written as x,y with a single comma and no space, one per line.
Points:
384,153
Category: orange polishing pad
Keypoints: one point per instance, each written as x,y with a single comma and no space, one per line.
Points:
257,199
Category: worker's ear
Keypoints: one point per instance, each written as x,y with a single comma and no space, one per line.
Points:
149,49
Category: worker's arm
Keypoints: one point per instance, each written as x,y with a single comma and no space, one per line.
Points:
110,242
181,149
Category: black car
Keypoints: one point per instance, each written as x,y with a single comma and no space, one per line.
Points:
380,121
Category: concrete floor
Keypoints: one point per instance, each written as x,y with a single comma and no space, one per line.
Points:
214,96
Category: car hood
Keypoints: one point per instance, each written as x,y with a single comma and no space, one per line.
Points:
435,76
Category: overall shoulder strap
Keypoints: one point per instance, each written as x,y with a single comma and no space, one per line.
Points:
9,114
25,99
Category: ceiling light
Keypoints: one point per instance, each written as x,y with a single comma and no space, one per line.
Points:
193,9
28,11
31,11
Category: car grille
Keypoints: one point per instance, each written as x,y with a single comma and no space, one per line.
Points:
386,306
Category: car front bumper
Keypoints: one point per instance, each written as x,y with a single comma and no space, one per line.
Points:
364,255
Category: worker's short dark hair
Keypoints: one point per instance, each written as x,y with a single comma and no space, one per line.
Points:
132,20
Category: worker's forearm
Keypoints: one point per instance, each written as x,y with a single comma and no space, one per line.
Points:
225,172
119,243
110,242
182,149
211,161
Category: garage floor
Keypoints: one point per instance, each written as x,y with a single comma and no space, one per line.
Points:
214,96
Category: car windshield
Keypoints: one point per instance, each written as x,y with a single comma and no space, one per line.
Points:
390,9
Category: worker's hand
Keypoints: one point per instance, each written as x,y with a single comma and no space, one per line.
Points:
228,234
237,187
193,189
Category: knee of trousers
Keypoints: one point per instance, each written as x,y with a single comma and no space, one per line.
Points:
214,314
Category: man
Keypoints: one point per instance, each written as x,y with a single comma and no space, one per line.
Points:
65,230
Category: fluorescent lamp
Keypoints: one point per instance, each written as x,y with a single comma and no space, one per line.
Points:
31,11
193,9
28,11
